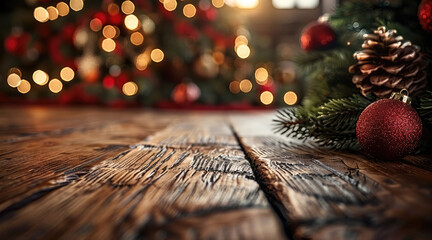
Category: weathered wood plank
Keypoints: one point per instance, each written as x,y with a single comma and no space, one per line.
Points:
198,187
68,149
333,195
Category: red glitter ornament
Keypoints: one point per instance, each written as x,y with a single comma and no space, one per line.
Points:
317,35
425,15
389,129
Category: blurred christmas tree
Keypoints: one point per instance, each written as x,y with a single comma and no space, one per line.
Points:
133,52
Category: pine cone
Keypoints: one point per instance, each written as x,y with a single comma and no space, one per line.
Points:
387,63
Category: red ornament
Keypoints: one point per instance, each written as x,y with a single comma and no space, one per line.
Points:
268,86
316,36
425,15
17,44
389,129
185,93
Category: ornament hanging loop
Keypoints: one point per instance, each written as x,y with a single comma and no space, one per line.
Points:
401,96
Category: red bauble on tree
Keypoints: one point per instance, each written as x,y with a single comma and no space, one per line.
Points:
425,15
389,129
317,36
17,43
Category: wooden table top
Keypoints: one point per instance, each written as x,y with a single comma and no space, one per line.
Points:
83,173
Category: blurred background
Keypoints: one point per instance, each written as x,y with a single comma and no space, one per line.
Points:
154,53
177,53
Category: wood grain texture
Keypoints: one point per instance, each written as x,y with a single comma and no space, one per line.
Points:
188,181
333,195
61,144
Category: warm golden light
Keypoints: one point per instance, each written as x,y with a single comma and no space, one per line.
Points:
76,5
24,87
14,80
284,4
55,85
243,51
16,71
266,97
247,3
62,8
40,77
131,22
52,13
241,40
95,24
189,10
142,61
109,31
234,87
67,74
218,3
219,57
245,85
290,98
108,45
170,5
128,7
136,38
130,88
157,55
261,76
113,9
41,14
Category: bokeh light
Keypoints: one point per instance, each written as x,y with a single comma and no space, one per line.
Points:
128,7
108,45
234,87
189,10
142,61
40,77
55,85
266,97
130,88
218,3
136,38
241,40
157,55
148,25
245,85
243,51
41,14
62,8
24,86
109,31
247,3
16,71
218,57
113,9
67,74
170,5
76,5
290,98
52,13
13,80
131,22
261,76
95,24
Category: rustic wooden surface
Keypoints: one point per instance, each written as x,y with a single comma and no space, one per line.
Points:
115,174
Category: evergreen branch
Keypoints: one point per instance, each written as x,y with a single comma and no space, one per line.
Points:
425,107
332,125
342,114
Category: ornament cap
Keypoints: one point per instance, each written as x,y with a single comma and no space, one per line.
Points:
401,96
